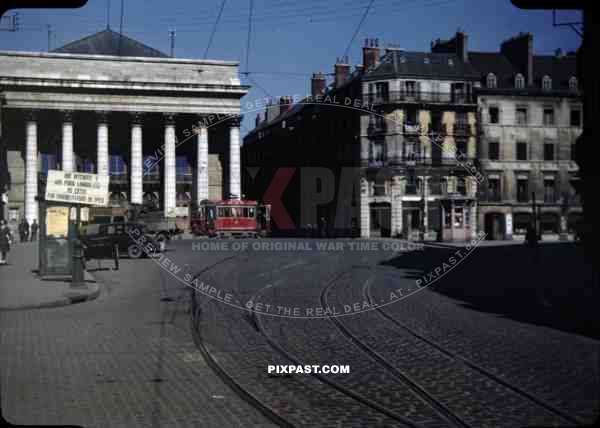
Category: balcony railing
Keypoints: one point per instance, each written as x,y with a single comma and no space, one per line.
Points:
461,128
414,96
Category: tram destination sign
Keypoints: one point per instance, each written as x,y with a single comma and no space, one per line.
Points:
77,188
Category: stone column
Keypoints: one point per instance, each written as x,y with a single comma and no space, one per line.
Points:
452,208
425,207
365,215
508,226
396,207
473,192
67,161
31,173
170,188
136,161
102,144
202,165
235,185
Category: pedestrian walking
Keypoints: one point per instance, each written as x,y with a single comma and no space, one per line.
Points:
324,228
22,230
34,230
25,230
5,241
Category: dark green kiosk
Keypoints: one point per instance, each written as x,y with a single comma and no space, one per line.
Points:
60,250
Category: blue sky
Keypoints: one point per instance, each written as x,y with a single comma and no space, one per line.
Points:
292,39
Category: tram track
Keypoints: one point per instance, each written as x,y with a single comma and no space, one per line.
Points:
213,363
380,311
360,398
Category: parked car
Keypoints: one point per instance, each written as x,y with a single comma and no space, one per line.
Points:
100,239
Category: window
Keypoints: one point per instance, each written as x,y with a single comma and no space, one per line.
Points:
548,116
493,189
521,116
549,192
412,150
546,83
376,156
461,148
411,88
117,165
150,166
411,185
573,83
382,91
461,186
548,151
521,151
494,114
522,190
48,162
494,150
521,222
519,81
491,80
182,166
575,117
411,117
458,217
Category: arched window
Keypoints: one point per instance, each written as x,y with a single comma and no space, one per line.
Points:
546,83
573,83
519,81
491,80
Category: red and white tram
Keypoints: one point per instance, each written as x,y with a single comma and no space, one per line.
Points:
232,218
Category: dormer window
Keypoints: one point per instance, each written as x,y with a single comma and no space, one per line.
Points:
450,62
519,81
402,59
546,83
491,80
573,83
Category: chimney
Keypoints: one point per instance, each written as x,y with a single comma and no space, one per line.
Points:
271,111
317,84
285,104
341,71
519,51
462,46
370,53
457,45
257,120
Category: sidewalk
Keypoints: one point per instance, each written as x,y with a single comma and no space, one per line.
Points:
21,288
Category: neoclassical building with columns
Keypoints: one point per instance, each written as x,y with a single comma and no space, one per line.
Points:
166,130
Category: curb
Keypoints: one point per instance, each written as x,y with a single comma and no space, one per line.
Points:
69,298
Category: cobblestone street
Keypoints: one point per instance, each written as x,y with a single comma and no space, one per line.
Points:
133,358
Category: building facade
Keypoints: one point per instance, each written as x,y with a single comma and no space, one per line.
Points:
417,150
451,143
166,130
531,116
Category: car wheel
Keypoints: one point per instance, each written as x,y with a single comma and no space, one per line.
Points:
134,251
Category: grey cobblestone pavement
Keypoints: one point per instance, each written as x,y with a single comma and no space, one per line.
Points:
126,359
129,358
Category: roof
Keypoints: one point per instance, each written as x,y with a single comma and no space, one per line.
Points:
494,62
299,106
108,42
421,64
559,68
